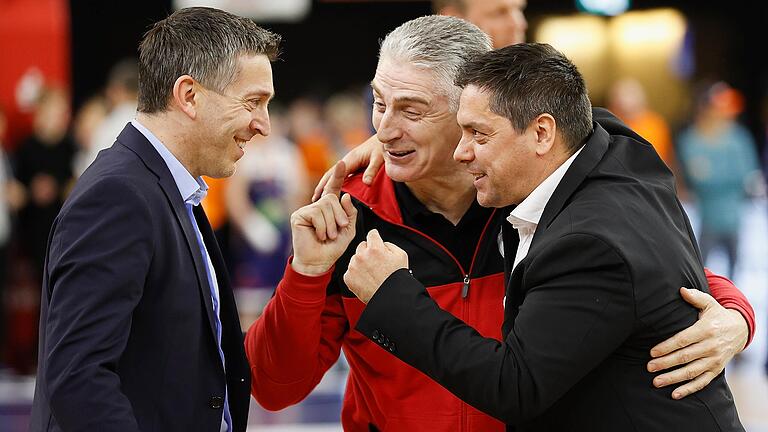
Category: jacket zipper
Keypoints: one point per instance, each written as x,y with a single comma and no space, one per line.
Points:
465,287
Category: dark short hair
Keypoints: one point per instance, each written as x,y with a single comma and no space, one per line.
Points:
529,79
204,43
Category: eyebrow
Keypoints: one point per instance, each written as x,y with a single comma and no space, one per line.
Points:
473,124
403,99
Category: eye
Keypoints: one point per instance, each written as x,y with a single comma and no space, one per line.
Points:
379,106
412,114
478,136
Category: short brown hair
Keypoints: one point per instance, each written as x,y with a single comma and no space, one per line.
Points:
204,43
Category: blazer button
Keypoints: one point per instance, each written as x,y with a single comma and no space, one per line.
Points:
376,335
216,402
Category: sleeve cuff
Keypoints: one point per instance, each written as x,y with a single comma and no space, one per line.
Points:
302,287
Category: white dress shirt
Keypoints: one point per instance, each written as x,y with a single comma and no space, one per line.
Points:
526,216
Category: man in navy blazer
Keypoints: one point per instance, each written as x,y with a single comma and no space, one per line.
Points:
139,328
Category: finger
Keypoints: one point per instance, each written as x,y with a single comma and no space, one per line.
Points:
330,218
314,217
688,372
693,334
698,299
692,387
336,180
349,208
683,356
340,215
374,165
396,249
318,193
374,239
360,248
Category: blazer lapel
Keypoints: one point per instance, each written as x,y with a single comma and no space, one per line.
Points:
590,156
138,143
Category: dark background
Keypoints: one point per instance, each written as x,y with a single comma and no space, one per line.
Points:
335,47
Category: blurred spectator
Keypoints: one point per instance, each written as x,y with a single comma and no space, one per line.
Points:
269,184
88,118
307,130
628,101
720,163
43,165
348,121
11,198
121,94
503,20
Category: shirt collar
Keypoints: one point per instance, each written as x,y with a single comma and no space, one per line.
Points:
192,190
528,213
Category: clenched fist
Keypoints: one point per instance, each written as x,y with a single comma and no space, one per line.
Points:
373,262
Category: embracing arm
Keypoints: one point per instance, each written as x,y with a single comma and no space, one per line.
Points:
724,328
730,297
97,263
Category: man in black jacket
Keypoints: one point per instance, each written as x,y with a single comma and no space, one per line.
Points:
596,243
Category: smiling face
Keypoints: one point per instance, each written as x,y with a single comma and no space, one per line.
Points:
414,122
503,161
228,120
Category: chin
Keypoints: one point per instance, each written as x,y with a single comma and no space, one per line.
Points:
487,200
400,174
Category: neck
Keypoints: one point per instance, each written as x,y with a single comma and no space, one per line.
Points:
550,163
450,196
165,127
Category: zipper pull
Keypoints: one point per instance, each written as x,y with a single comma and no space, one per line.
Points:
465,288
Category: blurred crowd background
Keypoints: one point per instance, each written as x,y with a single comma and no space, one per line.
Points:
690,76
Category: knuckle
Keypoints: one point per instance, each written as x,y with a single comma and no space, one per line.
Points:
691,374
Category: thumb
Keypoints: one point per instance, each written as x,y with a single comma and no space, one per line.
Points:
349,208
374,238
698,299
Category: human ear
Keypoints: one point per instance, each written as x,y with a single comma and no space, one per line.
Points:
185,95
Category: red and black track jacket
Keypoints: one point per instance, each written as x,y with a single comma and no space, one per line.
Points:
308,321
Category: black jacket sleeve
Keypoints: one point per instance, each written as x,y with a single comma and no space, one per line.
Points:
577,309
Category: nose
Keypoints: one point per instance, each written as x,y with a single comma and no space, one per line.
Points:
388,128
464,152
260,124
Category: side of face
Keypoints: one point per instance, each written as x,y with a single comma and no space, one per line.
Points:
414,122
226,121
503,20
501,159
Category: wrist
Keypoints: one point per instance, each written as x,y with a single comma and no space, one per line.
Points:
307,269
739,317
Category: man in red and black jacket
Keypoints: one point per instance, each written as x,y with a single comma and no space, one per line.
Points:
426,205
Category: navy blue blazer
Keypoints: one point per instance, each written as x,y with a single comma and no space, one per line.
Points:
127,333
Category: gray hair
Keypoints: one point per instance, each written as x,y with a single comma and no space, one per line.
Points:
440,44
204,43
